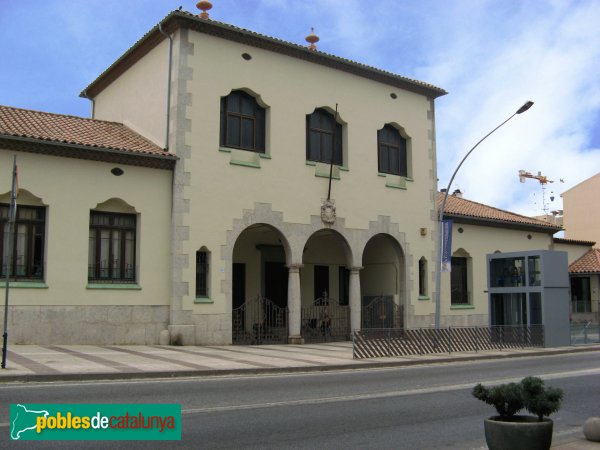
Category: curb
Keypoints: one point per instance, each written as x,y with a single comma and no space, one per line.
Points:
99,376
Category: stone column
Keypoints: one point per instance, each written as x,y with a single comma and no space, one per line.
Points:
355,303
294,305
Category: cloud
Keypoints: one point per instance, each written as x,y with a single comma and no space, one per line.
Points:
491,55
550,57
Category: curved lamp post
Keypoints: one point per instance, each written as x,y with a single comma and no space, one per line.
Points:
438,274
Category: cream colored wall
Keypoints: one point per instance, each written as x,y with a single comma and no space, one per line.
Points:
582,211
70,188
478,241
574,252
138,98
219,191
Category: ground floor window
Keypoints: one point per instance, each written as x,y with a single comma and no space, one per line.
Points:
27,260
459,281
112,248
202,273
581,300
422,277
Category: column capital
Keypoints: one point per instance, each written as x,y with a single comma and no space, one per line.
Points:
294,267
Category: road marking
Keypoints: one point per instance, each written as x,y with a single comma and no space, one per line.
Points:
379,395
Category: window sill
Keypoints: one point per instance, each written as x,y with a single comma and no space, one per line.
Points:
120,286
203,300
465,306
423,297
323,170
394,181
245,158
24,285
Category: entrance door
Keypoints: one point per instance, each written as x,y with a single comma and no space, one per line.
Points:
321,283
239,285
276,283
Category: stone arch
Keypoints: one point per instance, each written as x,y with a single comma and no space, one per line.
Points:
383,279
262,214
325,258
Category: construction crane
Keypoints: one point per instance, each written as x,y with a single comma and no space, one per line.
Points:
543,180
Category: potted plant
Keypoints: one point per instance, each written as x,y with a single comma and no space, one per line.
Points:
509,431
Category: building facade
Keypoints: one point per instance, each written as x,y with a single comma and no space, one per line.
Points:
581,219
256,211
234,188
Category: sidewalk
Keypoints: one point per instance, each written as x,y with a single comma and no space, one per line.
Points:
89,362
78,362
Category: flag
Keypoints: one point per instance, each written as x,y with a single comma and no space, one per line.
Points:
446,245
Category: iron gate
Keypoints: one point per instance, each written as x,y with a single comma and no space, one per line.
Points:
259,321
381,312
325,321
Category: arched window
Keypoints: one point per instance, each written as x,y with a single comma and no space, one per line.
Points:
202,278
323,136
242,122
391,147
460,280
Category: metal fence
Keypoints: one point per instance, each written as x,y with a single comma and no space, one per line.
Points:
326,320
585,333
259,321
376,343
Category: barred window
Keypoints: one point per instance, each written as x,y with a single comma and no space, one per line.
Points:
202,262
423,277
112,248
27,261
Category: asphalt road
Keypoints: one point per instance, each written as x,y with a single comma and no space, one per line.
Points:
419,407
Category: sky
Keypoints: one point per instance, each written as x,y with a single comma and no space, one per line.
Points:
490,55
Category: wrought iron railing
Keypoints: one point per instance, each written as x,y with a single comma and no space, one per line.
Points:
374,343
259,321
581,306
326,320
382,312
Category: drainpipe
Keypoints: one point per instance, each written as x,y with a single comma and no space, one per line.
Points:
85,95
168,86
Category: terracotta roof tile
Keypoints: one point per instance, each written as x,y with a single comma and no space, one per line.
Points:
588,263
574,242
460,207
63,129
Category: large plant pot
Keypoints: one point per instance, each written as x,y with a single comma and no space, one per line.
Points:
518,433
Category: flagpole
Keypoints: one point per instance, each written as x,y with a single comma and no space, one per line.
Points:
11,230
332,152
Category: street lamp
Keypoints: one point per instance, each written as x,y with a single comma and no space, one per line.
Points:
438,272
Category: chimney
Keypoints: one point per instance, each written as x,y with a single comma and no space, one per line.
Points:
457,193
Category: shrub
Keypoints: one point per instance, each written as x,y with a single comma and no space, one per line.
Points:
538,399
530,393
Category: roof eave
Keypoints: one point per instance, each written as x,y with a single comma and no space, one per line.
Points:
178,19
506,224
87,152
